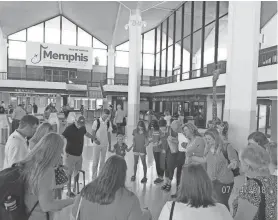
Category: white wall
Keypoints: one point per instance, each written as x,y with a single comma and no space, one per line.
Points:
270,33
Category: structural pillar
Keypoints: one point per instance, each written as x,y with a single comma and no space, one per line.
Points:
3,54
135,30
242,70
111,65
274,120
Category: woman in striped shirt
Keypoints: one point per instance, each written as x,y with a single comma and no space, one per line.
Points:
217,166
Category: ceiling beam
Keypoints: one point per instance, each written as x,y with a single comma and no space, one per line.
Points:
60,7
116,25
160,3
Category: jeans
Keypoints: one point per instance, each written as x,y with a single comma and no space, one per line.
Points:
180,163
160,172
99,155
170,164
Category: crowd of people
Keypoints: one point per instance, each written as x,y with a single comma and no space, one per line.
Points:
214,181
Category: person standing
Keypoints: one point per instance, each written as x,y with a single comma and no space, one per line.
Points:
101,137
16,148
17,115
35,108
119,119
74,134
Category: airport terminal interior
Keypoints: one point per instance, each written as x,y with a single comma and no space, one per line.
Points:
183,92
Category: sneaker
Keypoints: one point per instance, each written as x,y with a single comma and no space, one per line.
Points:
144,180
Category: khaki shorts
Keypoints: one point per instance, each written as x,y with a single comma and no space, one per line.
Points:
139,154
73,163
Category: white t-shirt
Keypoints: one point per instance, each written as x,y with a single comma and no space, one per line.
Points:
183,211
182,139
15,149
102,132
168,119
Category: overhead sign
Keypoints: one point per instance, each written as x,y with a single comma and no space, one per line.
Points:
56,55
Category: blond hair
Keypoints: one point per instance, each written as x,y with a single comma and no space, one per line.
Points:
42,130
256,158
46,154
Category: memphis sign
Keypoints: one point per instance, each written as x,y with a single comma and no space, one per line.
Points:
55,55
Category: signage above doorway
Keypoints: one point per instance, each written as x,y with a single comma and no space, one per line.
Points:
55,55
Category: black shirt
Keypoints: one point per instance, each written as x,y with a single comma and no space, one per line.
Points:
75,139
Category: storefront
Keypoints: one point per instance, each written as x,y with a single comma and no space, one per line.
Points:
194,106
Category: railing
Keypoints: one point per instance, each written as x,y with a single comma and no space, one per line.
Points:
268,56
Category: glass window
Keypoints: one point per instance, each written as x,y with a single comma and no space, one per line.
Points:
98,44
223,38
186,55
68,32
198,10
17,50
158,40
178,24
187,19
148,61
177,55
163,60
164,35
99,57
171,28
52,31
170,58
157,64
122,59
197,41
209,44
210,11
123,47
35,33
21,35
149,42
223,8
84,39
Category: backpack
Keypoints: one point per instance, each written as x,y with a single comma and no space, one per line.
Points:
235,171
12,206
98,124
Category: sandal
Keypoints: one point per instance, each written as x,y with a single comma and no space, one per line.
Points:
144,180
133,178
164,186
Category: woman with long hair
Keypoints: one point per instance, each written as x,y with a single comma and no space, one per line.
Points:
38,173
195,198
257,199
42,130
140,142
107,197
217,166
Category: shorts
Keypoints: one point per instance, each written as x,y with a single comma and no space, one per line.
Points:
73,163
139,154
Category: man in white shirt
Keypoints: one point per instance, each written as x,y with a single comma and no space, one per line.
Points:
16,148
119,119
101,132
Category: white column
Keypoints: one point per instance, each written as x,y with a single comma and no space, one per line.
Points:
111,65
242,70
135,31
3,54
